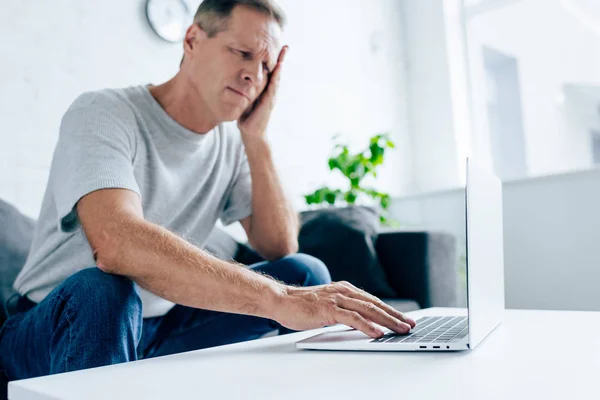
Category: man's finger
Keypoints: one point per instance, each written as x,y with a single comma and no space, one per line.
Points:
374,313
356,321
282,54
364,296
276,75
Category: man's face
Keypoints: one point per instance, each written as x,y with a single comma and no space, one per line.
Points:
230,70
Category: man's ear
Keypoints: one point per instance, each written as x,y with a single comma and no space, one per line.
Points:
193,36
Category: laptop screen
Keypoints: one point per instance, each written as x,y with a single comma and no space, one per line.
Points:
485,251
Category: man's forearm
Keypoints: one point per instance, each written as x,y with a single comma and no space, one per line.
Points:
172,268
274,222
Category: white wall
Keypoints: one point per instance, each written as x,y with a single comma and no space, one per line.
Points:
550,237
580,116
344,73
504,116
51,52
555,42
431,117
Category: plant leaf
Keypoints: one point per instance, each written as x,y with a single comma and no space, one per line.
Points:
385,201
330,197
355,167
350,197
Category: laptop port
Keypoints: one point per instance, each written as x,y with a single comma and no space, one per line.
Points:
422,347
436,347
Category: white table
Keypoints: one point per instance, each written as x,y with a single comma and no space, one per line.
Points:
531,355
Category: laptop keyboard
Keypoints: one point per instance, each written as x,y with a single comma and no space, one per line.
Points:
431,330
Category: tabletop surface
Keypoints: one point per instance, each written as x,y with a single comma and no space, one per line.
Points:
530,355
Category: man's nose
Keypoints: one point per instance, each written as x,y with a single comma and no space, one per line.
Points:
253,73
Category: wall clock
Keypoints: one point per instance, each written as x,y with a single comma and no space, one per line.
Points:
169,18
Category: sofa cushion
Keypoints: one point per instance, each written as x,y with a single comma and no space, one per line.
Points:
343,238
224,246
420,265
402,305
221,244
15,239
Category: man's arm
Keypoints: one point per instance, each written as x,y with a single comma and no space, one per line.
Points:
125,244
272,228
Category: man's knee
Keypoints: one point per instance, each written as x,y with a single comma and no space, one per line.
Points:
312,271
109,295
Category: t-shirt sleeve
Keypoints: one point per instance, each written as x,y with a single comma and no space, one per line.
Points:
238,204
95,151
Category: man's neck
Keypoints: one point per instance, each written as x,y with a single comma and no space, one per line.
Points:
183,106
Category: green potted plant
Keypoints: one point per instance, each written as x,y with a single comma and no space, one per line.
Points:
356,167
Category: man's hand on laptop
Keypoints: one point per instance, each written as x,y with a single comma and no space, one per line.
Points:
303,308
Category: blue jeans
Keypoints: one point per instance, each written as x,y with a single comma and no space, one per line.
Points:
94,319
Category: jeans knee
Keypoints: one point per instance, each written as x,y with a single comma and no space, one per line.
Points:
108,295
314,270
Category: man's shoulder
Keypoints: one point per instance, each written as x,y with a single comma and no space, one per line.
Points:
117,102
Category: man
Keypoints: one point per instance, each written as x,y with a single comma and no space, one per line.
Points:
138,174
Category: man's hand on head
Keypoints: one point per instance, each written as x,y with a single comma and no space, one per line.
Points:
253,123
314,307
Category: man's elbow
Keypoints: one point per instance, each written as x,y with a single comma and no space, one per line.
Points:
290,248
106,254
110,243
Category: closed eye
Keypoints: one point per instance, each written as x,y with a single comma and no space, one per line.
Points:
245,54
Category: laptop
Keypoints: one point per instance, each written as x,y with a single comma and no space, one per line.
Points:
485,285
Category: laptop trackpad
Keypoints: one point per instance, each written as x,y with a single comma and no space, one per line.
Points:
334,337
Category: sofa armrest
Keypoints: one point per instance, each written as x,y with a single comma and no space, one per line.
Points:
420,265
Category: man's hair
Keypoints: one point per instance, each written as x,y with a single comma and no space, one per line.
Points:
213,15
